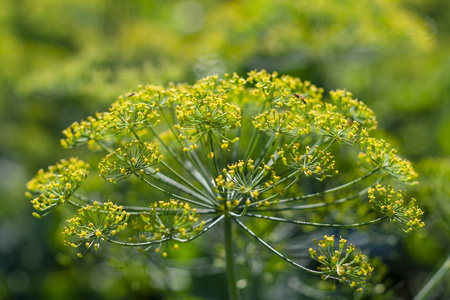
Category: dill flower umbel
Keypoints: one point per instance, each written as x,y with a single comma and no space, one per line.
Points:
341,264
50,189
229,150
94,223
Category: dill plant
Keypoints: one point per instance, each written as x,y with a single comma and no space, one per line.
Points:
225,151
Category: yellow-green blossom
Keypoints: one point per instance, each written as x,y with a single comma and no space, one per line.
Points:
50,189
86,131
95,223
133,158
341,264
165,221
393,204
377,153
353,109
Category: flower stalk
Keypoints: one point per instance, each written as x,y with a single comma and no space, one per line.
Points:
233,292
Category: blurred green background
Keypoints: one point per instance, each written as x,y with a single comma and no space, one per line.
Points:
62,60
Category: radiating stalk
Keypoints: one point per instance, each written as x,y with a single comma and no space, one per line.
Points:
316,224
252,234
437,278
332,189
231,272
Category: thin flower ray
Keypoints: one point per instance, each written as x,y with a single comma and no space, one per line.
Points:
298,222
313,205
261,241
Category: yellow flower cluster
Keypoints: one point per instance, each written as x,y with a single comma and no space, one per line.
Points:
166,221
155,96
95,222
87,131
282,91
376,153
124,116
340,264
128,116
50,189
201,113
310,161
242,183
353,109
297,109
391,203
336,126
307,108
231,85
134,158
276,122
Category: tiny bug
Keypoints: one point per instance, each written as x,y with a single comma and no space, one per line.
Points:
300,97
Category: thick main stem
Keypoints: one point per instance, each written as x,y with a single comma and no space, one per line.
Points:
229,255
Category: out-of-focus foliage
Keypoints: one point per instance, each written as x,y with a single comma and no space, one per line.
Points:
435,241
63,60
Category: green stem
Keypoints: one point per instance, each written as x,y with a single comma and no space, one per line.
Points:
313,205
266,152
332,189
236,145
209,224
253,142
106,149
178,159
191,157
172,170
434,281
255,134
174,184
213,162
232,289
142,244
315,224
193,187
252,234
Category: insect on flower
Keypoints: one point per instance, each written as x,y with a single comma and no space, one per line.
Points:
301,97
